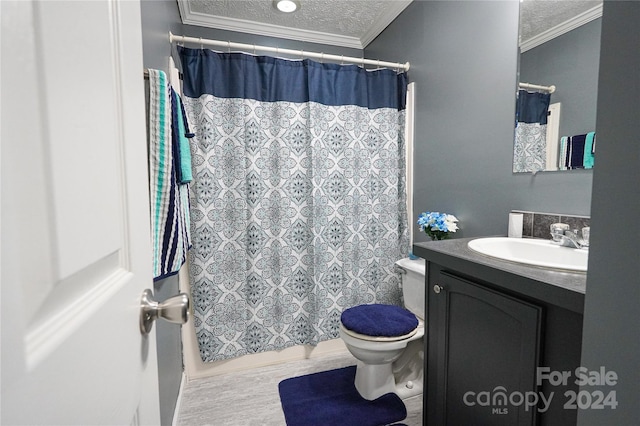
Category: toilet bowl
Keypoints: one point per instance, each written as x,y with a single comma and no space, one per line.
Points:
389,345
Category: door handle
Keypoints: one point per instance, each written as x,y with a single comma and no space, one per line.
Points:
437,289
175,309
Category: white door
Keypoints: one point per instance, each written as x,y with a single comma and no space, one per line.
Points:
75,216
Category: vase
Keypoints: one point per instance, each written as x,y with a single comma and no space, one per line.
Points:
439,236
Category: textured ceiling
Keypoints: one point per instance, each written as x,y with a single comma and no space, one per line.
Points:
351,23
351,18
538,16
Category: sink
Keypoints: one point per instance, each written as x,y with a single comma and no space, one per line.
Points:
541,253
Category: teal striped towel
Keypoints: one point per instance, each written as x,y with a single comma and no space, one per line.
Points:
169,201
589,158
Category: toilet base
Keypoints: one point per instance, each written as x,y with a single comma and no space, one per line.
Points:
408,370
403,377
409,388
373,381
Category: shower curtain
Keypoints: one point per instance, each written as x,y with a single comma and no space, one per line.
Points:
530,146
298,205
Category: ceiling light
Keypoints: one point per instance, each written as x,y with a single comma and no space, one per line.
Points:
286,6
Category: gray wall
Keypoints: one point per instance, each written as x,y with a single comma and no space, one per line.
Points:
158,18
463,58
571,63
611,333
169,347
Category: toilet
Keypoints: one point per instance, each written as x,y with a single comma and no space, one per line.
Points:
387,341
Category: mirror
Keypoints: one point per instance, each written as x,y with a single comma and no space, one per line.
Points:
559,60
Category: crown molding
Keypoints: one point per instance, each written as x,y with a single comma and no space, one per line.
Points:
395,9
568,25
269,30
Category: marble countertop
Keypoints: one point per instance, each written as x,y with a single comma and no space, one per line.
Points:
563,288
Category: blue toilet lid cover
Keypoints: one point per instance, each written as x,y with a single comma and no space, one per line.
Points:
379,320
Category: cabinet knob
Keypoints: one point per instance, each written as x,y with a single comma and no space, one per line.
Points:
437,289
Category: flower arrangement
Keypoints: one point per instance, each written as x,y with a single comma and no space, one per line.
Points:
437,225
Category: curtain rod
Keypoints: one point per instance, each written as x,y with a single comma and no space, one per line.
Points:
549,89
277,51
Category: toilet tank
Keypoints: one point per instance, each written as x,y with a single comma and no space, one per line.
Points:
413,285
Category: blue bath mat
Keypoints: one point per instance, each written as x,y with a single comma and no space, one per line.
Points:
331,398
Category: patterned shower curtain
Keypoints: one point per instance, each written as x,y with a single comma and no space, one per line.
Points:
298,205
530,146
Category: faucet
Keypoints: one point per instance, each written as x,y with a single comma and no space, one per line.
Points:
561,235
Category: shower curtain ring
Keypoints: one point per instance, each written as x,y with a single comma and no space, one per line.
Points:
201,45
321,57
301,54
378,64
254,50
228,46
342,60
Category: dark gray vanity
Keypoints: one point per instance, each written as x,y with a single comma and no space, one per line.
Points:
500,336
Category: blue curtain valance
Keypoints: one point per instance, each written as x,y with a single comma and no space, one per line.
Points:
532,107
268,79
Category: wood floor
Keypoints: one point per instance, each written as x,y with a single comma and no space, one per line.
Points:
251,397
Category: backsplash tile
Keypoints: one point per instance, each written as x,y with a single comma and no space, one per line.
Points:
536,225
541,224
575,222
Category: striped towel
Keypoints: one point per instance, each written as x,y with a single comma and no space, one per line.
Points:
589,145
562,158
169,202
181,140
577,151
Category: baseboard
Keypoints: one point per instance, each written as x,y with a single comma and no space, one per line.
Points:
176,411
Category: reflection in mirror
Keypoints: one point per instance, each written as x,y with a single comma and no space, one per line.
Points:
558,76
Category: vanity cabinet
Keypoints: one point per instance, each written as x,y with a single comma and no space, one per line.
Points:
494,331
483,347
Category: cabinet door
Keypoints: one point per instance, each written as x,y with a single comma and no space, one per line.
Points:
483,349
